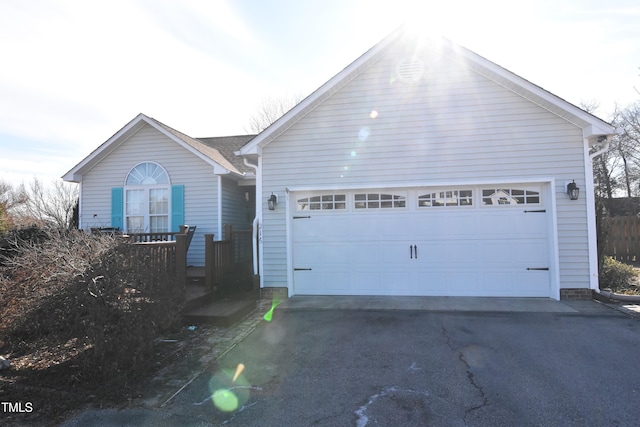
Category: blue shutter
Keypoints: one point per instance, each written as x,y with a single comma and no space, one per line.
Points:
117,201
177,207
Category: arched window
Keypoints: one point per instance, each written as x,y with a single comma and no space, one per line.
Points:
147,174
147,196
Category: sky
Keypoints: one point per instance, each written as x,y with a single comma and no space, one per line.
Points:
74,72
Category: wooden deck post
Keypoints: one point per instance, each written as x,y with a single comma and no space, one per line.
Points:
181,259
208,261
228,229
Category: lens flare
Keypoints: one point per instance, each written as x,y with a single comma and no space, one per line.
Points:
229,390
268,316
239,370
373,114
225,400
364,133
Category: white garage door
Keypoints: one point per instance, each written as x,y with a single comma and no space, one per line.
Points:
465,241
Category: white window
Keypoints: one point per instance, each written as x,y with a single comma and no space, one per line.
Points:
509,196
323,202
147,196
446,198
379,201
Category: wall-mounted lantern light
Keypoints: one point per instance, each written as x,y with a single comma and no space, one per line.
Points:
573,191
272,201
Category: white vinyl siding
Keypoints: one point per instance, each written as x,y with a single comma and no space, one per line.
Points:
455,126
183,168
236,209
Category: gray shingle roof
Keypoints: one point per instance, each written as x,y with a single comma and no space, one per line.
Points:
227,146
219,149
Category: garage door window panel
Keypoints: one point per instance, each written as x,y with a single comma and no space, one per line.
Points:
446,198
325,202
379,201
509,197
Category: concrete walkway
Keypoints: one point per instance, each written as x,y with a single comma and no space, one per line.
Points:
466,304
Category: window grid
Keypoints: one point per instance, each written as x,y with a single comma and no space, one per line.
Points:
509,196
147,199
323,202
147,174
379,201
446,198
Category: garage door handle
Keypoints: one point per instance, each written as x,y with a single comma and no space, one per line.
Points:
538,269
301,269
413,251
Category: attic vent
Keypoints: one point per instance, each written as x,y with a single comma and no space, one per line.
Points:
410,70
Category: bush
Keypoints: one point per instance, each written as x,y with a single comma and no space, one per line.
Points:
615,275
12,240
73,288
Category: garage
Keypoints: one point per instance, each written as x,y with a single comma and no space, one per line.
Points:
475,240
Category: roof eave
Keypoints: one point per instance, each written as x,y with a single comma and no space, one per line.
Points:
591,125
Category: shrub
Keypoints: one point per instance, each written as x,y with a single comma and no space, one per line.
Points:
12,240
73,287
615,275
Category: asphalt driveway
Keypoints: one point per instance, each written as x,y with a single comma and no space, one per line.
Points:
416,368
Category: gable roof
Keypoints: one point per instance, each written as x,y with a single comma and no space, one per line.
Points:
227,146
592,126
211,153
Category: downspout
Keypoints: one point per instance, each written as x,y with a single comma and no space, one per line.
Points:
80,210
220,208
256,221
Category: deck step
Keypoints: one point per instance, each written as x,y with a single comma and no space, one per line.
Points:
196,295
220,313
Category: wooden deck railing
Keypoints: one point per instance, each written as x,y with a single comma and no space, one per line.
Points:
221,255
158,259
163,253
163,236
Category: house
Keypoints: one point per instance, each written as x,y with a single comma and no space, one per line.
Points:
421,169
149,177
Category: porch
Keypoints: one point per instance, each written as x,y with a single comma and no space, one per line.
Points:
222,291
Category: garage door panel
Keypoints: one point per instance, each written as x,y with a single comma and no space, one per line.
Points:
396,254
461,252
366,283
532,253
461,226
308,254
492,226
321,228
467,250
528,283
521,282
432,252
317,283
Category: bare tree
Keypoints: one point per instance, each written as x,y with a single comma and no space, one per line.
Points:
270,110
54,205
627,146
10,199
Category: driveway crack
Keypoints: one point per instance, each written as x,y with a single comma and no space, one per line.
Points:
470,375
